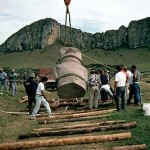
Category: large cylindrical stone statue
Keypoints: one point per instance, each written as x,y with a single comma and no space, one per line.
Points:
71,75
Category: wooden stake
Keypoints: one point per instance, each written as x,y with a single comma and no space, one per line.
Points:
130,147
77,131
64,141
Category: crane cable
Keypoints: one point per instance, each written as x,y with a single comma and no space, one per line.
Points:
98,62
69,40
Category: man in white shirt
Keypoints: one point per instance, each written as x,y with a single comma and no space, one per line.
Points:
131,89
106,90
41,98
119,88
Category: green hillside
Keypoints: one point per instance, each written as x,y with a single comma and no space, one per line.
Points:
48,57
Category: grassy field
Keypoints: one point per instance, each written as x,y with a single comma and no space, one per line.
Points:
49,57
12,125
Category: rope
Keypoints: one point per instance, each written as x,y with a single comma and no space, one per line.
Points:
98,62
70,32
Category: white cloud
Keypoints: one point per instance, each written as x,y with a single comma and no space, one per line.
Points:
87,15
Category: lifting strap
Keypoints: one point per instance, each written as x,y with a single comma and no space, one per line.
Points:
68,38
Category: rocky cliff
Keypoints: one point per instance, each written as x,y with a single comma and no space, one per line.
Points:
48,31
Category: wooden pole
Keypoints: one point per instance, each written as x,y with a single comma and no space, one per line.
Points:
77,131
130,147
80,125
77,115
15,113
64,141
69,112
47,121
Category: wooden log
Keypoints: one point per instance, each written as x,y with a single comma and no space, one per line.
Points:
47,121
23,99
130,147
42,111
14,113
61,113
64,141
70,100
77,115
76,131
80,125
66,112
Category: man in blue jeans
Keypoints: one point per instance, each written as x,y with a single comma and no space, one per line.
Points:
3,80
119,88
136,85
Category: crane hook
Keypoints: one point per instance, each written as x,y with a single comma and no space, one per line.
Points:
67,2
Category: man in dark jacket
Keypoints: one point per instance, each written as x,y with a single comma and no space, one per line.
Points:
30,87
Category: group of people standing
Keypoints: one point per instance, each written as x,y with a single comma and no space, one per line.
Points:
126,85
8,81
34,88
98,85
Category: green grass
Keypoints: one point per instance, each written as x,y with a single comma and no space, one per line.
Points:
12,125
49,56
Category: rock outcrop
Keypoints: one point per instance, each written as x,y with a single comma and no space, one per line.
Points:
48,31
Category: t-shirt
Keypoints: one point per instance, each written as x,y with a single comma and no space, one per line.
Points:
94,80
13,76
137,77
120,78
30,86
3,76
106,87
40,88
130,77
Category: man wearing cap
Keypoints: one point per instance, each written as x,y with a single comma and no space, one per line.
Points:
3,80
30,86
13,81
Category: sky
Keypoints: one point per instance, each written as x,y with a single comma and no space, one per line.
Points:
88,15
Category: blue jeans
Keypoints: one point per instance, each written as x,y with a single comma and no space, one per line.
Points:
14,88
40,99
4,82
137,95
120,94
